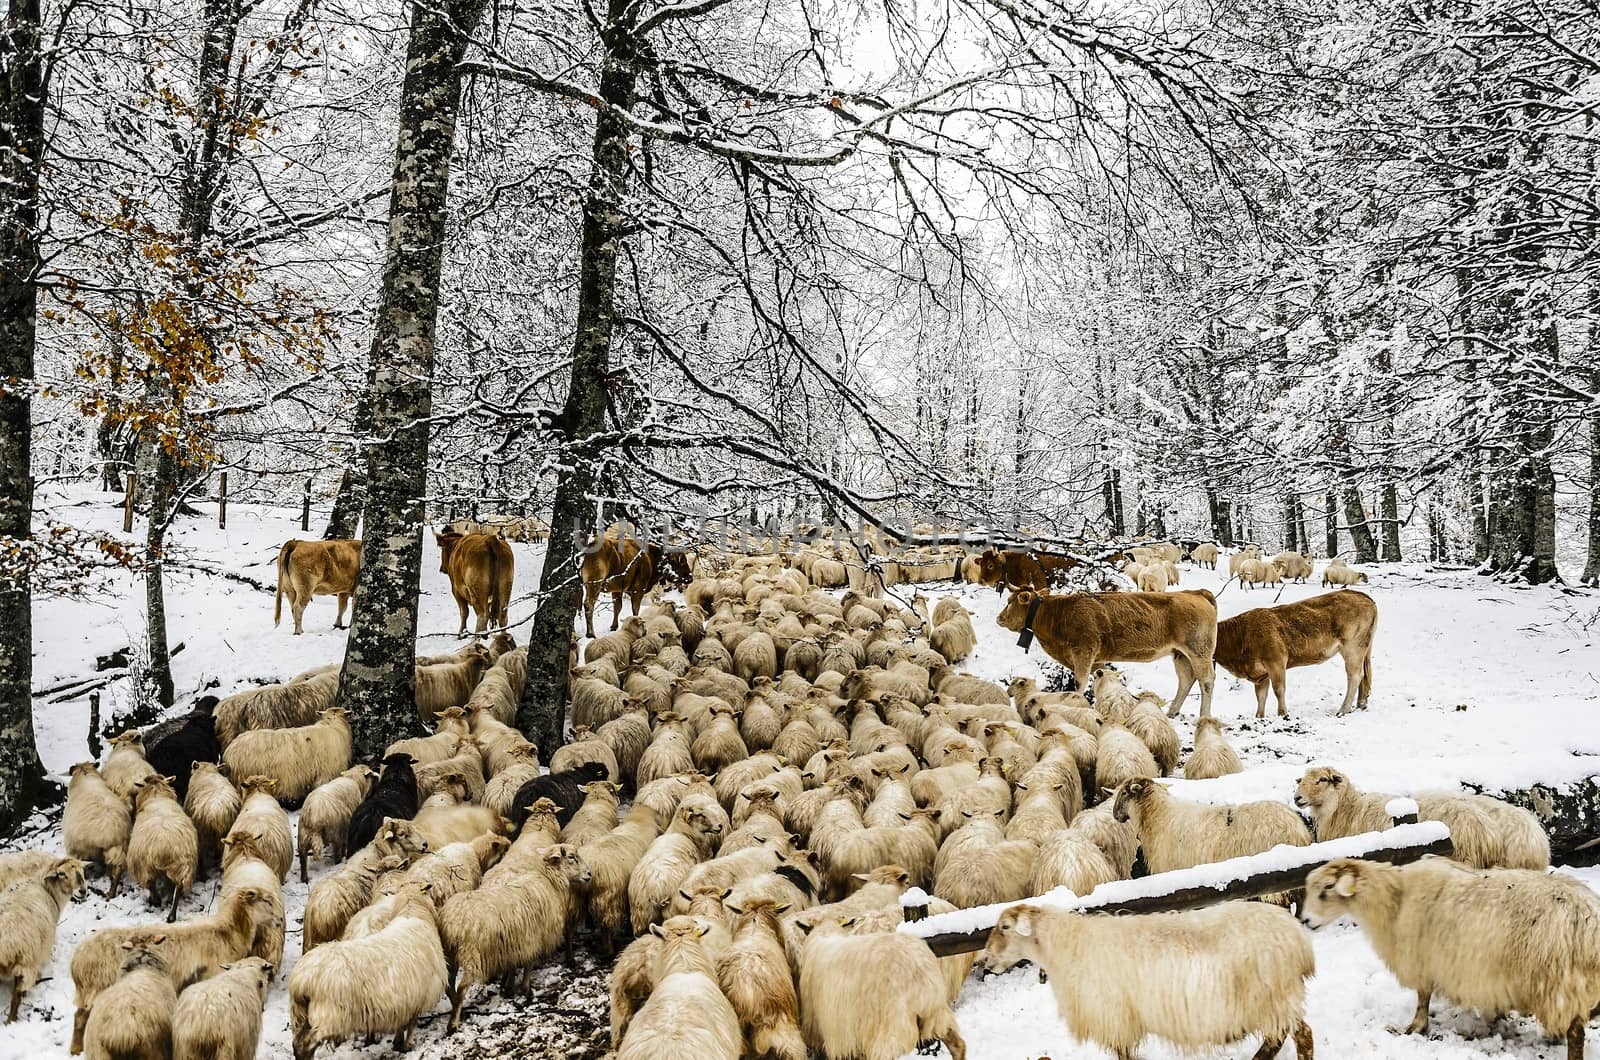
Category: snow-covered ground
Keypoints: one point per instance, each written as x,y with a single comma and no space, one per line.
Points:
1474,682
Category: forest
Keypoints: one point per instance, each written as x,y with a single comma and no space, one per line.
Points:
1307,274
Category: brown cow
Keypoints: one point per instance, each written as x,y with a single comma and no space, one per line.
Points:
616,565
1084,630
316,568
1016,569
1261,644
481,568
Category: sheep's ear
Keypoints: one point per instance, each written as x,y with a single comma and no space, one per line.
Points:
655,929
684,895
848,921
1107,792
1345,885
1023,924
863,877
725,892
1335,779
805,926
779,909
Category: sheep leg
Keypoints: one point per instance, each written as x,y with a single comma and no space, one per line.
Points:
177,893
954,1043
403,1037
458,996
116,881
1304,1044
80,1020
1575,1040
304,877
1419,1022
1269,1049
16,998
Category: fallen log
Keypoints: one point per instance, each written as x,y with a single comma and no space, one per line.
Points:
1282,868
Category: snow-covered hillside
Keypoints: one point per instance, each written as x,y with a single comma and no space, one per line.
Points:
1473,682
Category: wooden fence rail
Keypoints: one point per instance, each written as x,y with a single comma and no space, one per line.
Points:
1283,868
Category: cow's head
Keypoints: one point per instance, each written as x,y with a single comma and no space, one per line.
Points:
447,542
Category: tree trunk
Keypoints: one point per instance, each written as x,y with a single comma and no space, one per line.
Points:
1290,542
158,692
1119,517
378,682
541,713
1591,568
1300,524
1221,518
345,519
1355,516
1330,518
21,146
1389,513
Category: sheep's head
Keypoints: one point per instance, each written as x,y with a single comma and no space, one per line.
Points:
336,716
1319,787
398,836
1132,796
1213,725
1336,889
131,740
84,769
563,858
66,878
258,969
490,849
1013,940
155,786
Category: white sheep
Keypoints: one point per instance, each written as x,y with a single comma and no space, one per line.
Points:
212,803
220,1018
164,845
275,706
1499,940
1121,756
1484,832
298,758
244,865
30,909
262,815
375,985
126,766
509,923
1071,860
1256,960
686,1014
1212,756
755,977
134,1018
324,820
1176,834
97,823
611,860
876,996
691,839
1339,573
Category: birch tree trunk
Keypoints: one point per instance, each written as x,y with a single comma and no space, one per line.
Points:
541,713
21,145
1355,516
377,684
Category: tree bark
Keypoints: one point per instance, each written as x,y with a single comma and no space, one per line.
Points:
1300,524
377,684
541,713
1389,513
1221,518
1355,517
1330,519
1591,568
22,108
159,689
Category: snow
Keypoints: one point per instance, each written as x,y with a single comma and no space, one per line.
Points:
1476,684
1218,874
1398,808
916,898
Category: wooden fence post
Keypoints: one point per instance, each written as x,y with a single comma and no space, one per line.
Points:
131,490
305,509
222,502
94,725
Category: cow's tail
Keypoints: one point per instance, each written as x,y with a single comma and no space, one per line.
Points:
283,572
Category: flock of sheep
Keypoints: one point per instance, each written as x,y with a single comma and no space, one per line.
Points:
756,779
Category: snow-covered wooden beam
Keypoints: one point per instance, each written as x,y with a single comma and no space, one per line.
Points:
1282,868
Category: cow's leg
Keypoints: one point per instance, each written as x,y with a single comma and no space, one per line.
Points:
344,601
1366,678
1279,680
1261,684
461,606
1205,671
1180,663
1353,667
637,599
591,592
482,608
297,604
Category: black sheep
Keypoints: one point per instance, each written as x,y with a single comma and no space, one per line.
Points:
175,745
394,795
563,789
